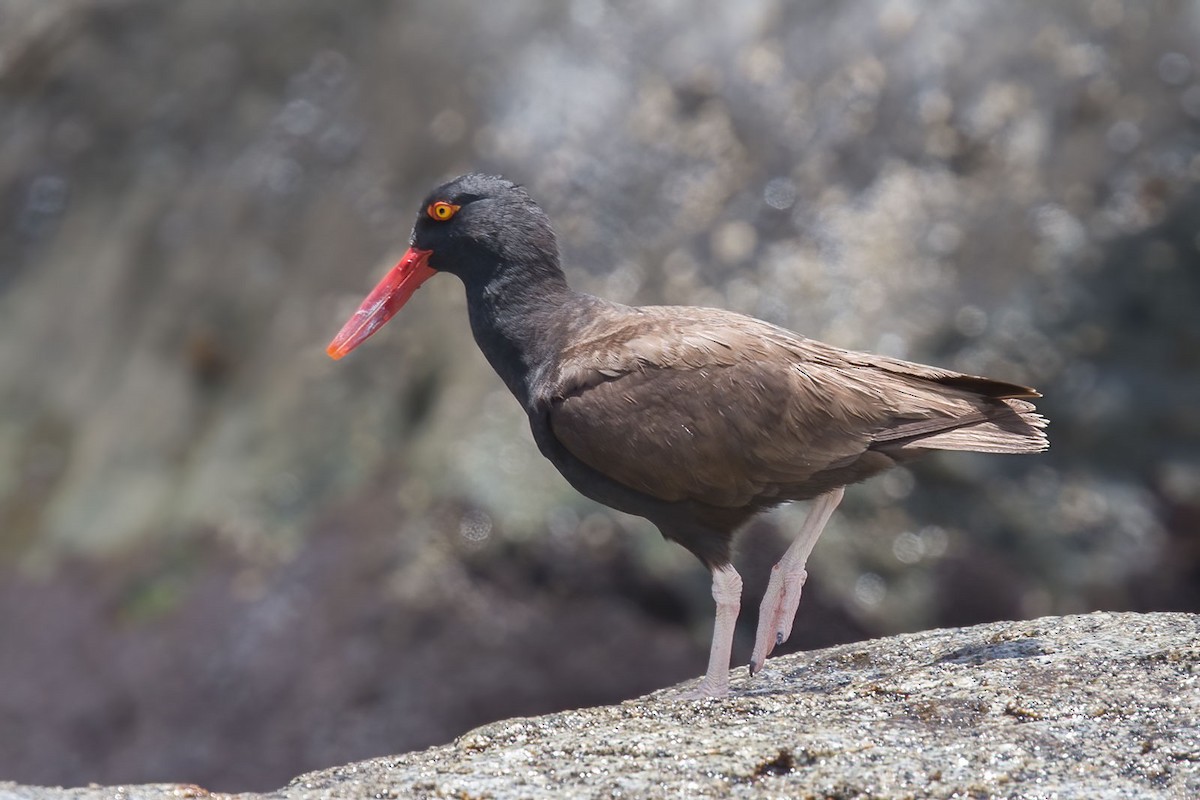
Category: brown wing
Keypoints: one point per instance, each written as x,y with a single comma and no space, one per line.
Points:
712,406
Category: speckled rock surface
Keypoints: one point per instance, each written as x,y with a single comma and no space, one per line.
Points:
1097,706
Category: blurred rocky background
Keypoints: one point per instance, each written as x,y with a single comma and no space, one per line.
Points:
226,559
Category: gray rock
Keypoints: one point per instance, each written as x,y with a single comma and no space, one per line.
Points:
1098,706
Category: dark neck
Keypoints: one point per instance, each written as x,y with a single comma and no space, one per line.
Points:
521,319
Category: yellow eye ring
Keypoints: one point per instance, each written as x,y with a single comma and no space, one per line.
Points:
441,210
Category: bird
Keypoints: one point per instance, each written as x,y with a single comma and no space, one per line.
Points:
697,419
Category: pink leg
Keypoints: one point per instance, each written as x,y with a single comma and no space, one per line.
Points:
782,598
727,592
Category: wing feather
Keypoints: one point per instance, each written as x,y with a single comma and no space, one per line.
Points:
730,411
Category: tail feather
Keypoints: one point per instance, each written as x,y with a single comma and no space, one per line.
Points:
943,410
1000,426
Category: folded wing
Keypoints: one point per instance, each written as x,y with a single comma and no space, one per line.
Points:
723,409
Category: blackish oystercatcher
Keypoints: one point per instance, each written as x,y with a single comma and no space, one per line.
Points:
694,418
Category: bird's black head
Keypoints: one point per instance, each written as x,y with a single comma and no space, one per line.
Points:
482,228
476,226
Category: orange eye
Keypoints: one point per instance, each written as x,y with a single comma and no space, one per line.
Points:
441,210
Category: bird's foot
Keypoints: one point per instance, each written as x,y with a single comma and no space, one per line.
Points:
777,613
706,689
